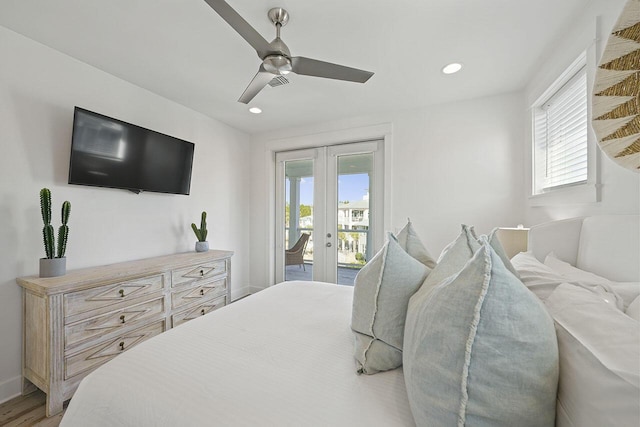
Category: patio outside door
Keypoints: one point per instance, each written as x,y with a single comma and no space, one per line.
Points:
332,194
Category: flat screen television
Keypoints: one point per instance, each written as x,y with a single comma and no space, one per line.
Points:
107,152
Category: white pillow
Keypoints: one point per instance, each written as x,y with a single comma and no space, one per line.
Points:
540,279
571,272
599,360
633,310
593,282
480,350
411,243
628,291
380,297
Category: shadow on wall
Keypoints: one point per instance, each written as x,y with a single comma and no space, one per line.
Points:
46,130
178,229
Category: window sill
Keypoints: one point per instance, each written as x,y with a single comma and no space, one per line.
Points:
574,195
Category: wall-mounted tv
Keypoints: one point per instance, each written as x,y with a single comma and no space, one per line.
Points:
107,152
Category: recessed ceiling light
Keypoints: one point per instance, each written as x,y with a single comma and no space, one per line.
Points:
255,110
452,68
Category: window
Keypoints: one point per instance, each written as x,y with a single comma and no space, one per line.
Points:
560,132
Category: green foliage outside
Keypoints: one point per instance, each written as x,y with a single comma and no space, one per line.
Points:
305,210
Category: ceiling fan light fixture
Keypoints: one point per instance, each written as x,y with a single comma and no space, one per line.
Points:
277,64
255,110
452,68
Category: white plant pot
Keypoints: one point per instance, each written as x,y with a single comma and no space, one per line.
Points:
53,267
202,246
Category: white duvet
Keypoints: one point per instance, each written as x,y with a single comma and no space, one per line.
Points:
281,357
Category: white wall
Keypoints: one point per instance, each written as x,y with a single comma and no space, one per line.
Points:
450,164
620,188
38,89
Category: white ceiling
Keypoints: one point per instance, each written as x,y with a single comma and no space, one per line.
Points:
182,50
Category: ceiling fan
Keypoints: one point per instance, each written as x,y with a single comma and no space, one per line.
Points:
276,57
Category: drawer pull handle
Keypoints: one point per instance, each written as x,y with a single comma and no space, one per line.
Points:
121,345
201,291
122,318
121,292
202,312
201,273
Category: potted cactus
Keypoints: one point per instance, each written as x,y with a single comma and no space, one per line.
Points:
201,234
55,264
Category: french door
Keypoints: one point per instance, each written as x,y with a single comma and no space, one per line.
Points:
329,207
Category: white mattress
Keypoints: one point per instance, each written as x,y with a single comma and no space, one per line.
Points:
283,356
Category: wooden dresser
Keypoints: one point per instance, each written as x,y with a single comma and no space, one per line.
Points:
77,322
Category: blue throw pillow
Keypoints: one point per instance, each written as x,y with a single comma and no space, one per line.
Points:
380,298
480,350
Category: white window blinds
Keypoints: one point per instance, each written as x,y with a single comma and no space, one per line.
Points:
560,136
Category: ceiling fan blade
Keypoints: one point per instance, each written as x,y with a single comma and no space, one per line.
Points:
260,80
241,26
313,67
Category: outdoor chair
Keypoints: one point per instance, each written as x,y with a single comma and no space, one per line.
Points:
294,256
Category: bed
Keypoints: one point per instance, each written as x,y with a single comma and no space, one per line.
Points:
284,356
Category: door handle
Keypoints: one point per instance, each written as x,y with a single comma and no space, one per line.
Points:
329,244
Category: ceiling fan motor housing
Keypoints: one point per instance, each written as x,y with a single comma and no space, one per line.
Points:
277,64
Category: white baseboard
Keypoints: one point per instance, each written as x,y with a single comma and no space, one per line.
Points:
10,388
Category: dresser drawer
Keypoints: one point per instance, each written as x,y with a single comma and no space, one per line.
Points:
97,354
201,291
196,273
197,311
110,297
115,320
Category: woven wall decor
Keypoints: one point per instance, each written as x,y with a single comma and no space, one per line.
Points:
616,91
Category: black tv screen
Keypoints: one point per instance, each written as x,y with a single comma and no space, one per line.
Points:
106,152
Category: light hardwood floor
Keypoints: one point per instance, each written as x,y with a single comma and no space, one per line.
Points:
27,411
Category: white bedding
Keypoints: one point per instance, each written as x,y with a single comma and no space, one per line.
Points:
224,369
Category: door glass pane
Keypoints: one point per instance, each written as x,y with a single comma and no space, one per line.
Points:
354,211
298,257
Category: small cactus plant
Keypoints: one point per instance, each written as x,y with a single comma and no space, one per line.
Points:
47,230
201,233
63,231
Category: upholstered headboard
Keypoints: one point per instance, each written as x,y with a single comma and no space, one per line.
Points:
607,245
